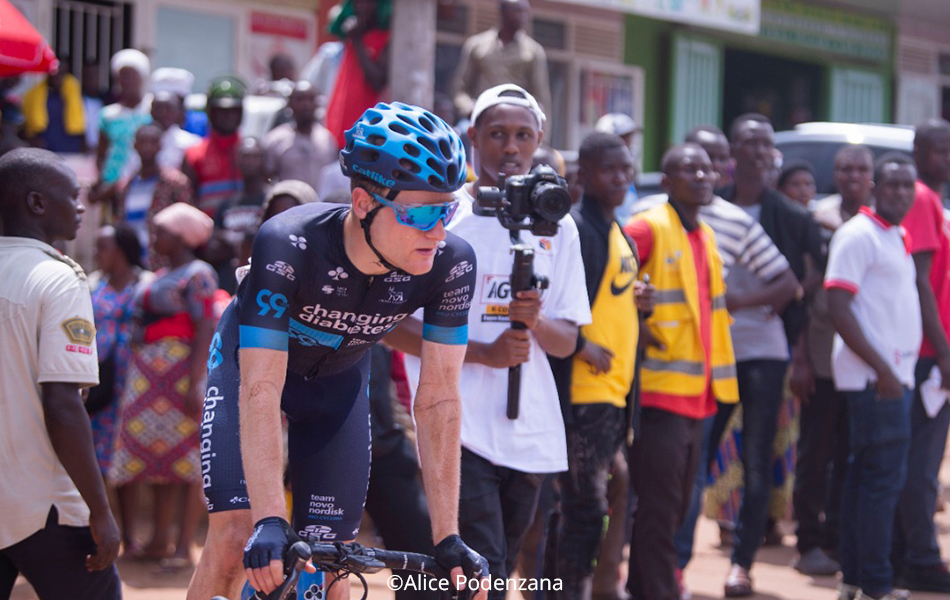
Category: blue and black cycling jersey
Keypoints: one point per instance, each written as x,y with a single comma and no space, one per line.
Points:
303,294
305,297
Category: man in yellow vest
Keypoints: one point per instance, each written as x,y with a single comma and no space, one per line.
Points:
688,364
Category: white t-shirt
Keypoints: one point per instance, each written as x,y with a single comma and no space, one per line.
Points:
868,257
534,442
46,324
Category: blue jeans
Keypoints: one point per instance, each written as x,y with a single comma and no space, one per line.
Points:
877,468
915,540
687,532
760,392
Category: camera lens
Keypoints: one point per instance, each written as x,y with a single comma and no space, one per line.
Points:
550,201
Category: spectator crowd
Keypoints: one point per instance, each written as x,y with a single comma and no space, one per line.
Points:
733,346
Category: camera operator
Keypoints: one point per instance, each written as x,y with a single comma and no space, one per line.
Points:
505,460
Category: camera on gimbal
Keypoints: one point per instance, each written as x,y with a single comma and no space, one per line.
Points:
535,202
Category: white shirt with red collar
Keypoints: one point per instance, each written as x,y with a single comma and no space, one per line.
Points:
870,258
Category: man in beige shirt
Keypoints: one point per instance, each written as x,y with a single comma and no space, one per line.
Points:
56,528
504,54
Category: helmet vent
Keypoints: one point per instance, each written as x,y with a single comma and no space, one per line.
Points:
400,175
368,155
444,147
399,128
452,172
410,166
376,140
374,117
427,144
436,182
411,150
427,124
434,165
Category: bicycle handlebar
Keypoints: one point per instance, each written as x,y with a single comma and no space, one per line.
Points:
347,558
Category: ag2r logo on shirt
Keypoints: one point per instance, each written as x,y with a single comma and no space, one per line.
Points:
269,301
495,294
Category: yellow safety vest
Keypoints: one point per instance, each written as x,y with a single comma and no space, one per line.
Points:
681,367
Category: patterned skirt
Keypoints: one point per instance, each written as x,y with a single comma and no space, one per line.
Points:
724,494
157,441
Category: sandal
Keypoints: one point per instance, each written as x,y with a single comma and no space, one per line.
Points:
738,584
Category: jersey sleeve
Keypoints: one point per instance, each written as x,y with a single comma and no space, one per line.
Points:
445,315
849,258
270,286
67,333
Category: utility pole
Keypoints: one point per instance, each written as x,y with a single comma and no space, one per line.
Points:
412,52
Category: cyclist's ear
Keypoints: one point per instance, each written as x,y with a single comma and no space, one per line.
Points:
363,202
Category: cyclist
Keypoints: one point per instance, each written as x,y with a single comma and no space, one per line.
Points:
325,283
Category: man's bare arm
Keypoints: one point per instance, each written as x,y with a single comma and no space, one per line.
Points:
847,325
558,337
438,414
263,372
509,349
71,436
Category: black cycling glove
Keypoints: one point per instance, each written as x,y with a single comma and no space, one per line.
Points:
270,540
452,552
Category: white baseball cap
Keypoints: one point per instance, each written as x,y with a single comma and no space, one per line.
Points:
617,124
507,93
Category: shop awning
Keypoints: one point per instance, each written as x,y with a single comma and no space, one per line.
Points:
22,48
741,16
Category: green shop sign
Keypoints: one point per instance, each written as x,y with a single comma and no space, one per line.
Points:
827,30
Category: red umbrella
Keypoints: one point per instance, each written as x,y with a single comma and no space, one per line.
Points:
22,48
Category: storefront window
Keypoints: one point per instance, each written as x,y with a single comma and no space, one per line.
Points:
201,42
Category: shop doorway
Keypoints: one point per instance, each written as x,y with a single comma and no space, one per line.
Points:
787,91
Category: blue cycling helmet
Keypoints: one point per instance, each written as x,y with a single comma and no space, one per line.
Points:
404,147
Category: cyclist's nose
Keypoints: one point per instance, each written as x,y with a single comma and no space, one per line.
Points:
437,232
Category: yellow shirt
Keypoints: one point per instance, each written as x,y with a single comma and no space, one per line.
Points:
615,327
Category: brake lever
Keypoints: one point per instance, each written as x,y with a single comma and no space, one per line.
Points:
295,559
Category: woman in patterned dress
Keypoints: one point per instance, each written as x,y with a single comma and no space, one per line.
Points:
119,258
159,433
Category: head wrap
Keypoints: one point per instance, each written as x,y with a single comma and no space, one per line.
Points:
187,222
174,80
131,58
296,189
